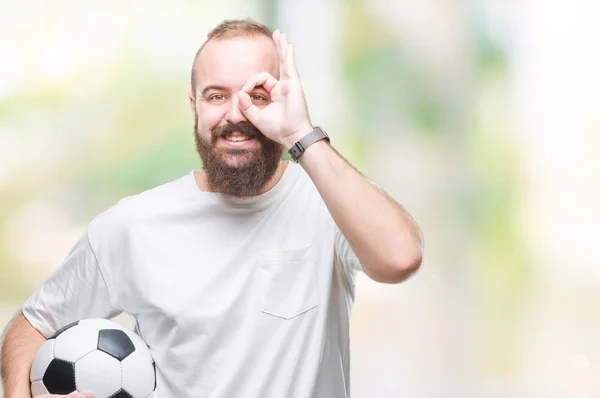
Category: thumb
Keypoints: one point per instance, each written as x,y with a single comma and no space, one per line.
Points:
249,110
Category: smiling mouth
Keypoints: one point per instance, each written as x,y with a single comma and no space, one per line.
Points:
237,138
237,141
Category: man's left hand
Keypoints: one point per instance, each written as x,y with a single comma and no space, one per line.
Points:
285,119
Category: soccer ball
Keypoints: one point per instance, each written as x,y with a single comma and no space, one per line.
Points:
94,355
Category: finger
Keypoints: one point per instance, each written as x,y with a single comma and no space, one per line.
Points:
284,87
283,44
264,79
276,39
290,62
249,110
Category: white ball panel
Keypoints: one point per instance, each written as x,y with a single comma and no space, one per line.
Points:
75,343
38,388
100,323
138,375
98,373
42,359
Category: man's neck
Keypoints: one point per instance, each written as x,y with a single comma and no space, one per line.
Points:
283,164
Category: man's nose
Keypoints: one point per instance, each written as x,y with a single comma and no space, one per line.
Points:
234,114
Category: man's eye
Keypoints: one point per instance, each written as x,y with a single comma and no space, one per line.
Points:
258,98
216,98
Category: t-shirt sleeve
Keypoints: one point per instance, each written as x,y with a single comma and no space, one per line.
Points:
77,290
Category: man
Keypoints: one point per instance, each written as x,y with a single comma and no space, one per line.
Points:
239,276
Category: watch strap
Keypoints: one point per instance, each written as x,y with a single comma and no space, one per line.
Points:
299,147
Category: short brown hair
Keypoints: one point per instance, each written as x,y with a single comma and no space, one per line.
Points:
228,29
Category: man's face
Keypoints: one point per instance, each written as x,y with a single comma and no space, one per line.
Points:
237,158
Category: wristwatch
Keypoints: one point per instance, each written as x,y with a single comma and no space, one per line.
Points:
299,147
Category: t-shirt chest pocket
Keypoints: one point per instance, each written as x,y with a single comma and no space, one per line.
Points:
288,282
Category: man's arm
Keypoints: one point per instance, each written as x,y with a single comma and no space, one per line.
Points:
76,290
383,236
20,345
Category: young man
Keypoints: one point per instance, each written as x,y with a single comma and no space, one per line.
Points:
240,276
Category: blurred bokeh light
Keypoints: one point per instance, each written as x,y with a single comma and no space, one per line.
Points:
481,117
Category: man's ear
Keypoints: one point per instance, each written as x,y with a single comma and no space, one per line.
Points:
192,103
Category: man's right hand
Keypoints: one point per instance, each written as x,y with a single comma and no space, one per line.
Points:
20,345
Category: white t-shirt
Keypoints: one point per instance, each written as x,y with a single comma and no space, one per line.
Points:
236,297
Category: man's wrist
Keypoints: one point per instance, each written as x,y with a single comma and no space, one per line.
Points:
292,139
316,135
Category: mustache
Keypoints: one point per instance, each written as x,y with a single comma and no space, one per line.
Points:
243,128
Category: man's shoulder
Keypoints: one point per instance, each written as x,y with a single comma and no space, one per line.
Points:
139,206
304,187
302,181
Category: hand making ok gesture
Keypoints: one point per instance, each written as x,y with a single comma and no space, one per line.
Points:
285,119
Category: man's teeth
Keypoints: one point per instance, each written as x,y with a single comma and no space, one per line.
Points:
236,138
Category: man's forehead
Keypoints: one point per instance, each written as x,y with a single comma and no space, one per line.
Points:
230,62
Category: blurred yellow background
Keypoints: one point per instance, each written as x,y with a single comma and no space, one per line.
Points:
481,117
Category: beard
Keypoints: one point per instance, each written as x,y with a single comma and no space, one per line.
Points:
248,169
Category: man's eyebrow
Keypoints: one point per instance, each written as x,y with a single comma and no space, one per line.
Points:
216,87
212,87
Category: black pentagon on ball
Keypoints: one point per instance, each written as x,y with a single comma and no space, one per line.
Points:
59,377
59,331
115,343
121,394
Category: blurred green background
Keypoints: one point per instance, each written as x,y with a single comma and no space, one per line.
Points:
481,117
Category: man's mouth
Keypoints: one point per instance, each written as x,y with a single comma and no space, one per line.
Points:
237,137
238,140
